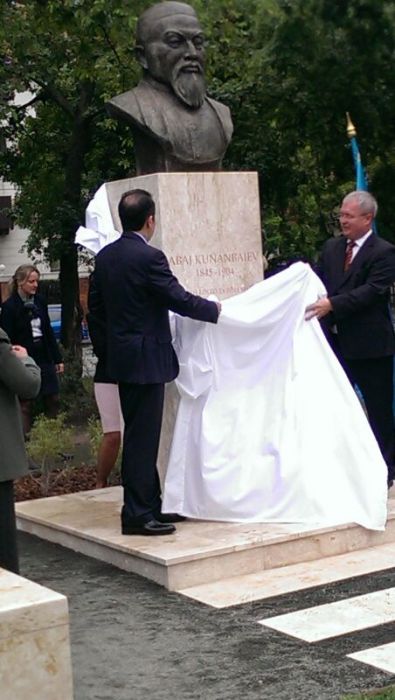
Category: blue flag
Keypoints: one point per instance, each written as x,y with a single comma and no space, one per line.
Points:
360,177
361,182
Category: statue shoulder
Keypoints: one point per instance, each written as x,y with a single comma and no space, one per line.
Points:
130,105
124,104
223,114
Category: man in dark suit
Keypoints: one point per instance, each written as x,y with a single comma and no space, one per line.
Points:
358,269
133,288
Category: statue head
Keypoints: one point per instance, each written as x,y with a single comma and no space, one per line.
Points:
170,48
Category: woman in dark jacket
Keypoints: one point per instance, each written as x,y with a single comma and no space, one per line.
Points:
24,317
19,377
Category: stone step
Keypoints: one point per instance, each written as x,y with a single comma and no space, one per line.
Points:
199,552
35,660
295,577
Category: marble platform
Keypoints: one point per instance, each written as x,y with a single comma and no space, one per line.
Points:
34,641
218,563
336,618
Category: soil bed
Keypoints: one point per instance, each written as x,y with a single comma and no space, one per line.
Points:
63,480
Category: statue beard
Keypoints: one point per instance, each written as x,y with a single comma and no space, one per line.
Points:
190,87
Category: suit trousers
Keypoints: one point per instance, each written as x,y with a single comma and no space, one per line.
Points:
374,378
142,410
8,540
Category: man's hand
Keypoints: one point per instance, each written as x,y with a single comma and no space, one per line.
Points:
60,368
320,308
19,351
219,307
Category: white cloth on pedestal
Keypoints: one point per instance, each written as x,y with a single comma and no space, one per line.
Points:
99,229
269,428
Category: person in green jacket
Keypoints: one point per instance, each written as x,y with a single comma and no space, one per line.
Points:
19,378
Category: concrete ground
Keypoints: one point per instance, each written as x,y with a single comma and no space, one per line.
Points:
132,640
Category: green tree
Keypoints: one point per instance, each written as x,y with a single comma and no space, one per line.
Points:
68,57
305,63
288,69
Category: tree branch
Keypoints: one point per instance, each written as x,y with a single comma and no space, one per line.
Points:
86,91
40,96
112,47
56,96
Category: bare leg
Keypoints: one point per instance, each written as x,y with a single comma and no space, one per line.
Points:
108,453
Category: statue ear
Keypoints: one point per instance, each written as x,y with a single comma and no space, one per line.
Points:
140,56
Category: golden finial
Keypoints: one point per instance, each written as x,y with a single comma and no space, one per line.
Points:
351,130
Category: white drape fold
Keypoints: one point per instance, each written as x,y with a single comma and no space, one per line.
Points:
268,427
99,229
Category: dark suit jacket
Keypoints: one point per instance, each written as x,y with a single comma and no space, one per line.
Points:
97,333
133,288
15,320
360,296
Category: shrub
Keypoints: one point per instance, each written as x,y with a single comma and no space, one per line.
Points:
76,392
95,435
49,442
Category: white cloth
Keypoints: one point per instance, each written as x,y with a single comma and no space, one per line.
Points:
269,428
99,229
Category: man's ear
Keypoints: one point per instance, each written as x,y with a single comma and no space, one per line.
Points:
140,56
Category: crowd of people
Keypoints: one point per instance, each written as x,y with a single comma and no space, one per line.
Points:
132,290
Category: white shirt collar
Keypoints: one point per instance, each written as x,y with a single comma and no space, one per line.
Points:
136,233
360,241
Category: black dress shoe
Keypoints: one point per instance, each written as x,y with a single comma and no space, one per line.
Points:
169,517
150,528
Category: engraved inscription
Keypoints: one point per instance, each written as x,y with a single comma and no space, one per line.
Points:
214,258
221,273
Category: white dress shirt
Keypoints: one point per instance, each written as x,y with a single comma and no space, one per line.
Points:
359,243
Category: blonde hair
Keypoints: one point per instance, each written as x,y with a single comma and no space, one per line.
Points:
20,276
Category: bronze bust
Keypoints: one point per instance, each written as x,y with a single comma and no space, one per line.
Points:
176,127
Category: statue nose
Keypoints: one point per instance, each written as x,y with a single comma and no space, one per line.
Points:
191,49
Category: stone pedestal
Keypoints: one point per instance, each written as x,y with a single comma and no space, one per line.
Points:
34,641
208,224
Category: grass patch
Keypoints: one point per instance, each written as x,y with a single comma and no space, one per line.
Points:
387,693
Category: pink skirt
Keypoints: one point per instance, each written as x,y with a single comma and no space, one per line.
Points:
108,403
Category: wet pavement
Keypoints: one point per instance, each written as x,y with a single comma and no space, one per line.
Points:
133,640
